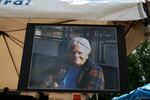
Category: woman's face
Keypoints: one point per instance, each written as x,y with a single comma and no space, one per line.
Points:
77,56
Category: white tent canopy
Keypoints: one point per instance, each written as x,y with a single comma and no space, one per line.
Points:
15,14
100,10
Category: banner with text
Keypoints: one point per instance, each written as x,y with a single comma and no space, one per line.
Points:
108,10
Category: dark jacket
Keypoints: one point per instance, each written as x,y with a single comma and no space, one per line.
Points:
90,77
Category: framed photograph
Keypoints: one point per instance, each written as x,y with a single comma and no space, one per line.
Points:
71,57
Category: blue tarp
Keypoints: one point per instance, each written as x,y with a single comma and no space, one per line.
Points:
137,94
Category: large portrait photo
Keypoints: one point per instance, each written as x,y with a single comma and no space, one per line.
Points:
60,57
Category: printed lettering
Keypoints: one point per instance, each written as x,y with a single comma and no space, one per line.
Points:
15,2
18,2
28,2
7,1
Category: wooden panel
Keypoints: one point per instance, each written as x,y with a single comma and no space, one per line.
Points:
134,37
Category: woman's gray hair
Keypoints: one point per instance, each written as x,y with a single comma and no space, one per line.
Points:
82,42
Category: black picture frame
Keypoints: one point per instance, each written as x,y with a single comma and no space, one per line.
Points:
108,42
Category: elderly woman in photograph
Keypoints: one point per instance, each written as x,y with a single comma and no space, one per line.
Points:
79,72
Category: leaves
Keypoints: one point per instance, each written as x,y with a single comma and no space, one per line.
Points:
139,66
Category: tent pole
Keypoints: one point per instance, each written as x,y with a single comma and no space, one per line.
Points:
11,55
13,39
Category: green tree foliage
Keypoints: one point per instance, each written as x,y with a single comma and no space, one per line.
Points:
139,66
